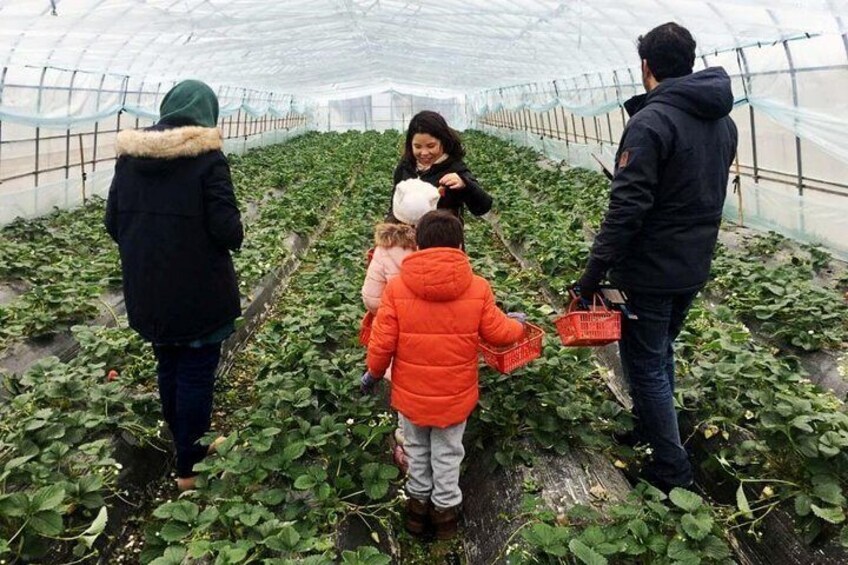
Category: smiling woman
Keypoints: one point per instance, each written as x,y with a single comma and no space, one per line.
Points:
433,152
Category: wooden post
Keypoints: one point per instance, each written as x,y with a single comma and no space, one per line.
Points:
737,183
82,167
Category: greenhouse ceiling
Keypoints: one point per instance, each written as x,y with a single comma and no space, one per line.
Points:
341,48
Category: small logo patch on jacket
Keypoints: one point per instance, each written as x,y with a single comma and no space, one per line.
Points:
623,159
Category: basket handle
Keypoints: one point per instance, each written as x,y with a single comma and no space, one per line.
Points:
595,303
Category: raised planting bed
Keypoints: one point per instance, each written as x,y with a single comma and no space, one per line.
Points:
730,383
110,424
307,475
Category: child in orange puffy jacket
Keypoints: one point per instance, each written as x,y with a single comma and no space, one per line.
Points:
394,241
430,322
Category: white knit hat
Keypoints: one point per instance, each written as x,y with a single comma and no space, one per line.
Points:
414,198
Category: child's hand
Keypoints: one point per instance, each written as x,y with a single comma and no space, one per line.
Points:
520,316
453,181
367,384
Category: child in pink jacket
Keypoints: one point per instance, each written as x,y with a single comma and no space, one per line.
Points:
394,242
412,199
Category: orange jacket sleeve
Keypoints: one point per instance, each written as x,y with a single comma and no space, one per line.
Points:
384,335
495,327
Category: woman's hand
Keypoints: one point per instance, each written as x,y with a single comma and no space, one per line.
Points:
453,181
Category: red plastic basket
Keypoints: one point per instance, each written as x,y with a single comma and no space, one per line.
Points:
509,358
365,328
596,326
369,255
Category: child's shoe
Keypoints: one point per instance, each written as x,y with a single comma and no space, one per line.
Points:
186,483
417,518
445,522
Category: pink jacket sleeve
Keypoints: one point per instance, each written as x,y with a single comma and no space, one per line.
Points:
375,280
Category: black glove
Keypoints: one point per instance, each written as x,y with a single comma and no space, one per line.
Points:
585,298
589,283
585,290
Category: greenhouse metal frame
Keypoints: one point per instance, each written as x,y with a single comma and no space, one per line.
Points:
315,99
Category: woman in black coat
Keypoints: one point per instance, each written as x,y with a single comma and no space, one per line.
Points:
433,153
173,213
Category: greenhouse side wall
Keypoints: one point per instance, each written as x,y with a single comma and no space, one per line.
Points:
814,217
58,128
792,155
384,111
30,201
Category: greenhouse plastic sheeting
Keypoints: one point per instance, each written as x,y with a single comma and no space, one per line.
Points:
829,132
244,144
388,110
330,49
60,99
37,201
805,97
67,62
574,154
73,61
811,218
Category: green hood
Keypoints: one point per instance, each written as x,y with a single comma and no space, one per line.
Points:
189,103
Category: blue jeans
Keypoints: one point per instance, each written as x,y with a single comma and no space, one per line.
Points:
647,357
186,380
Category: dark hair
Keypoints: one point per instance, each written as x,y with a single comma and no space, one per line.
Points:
669,50
432,123
439,228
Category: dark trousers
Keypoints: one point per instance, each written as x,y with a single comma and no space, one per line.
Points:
186,379
647,356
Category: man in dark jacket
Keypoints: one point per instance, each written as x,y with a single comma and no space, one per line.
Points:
659,234
173,213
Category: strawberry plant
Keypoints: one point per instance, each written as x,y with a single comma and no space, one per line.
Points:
66,261
308,450
780,431
59,424
782,300
57,465
647,527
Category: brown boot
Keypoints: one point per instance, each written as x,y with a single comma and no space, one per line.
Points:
445,521
417,516
186,483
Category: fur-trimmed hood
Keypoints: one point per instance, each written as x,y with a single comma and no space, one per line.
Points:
395,235
171,143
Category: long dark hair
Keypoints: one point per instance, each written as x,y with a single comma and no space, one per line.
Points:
432,123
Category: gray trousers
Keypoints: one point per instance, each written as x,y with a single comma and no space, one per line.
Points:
434,456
